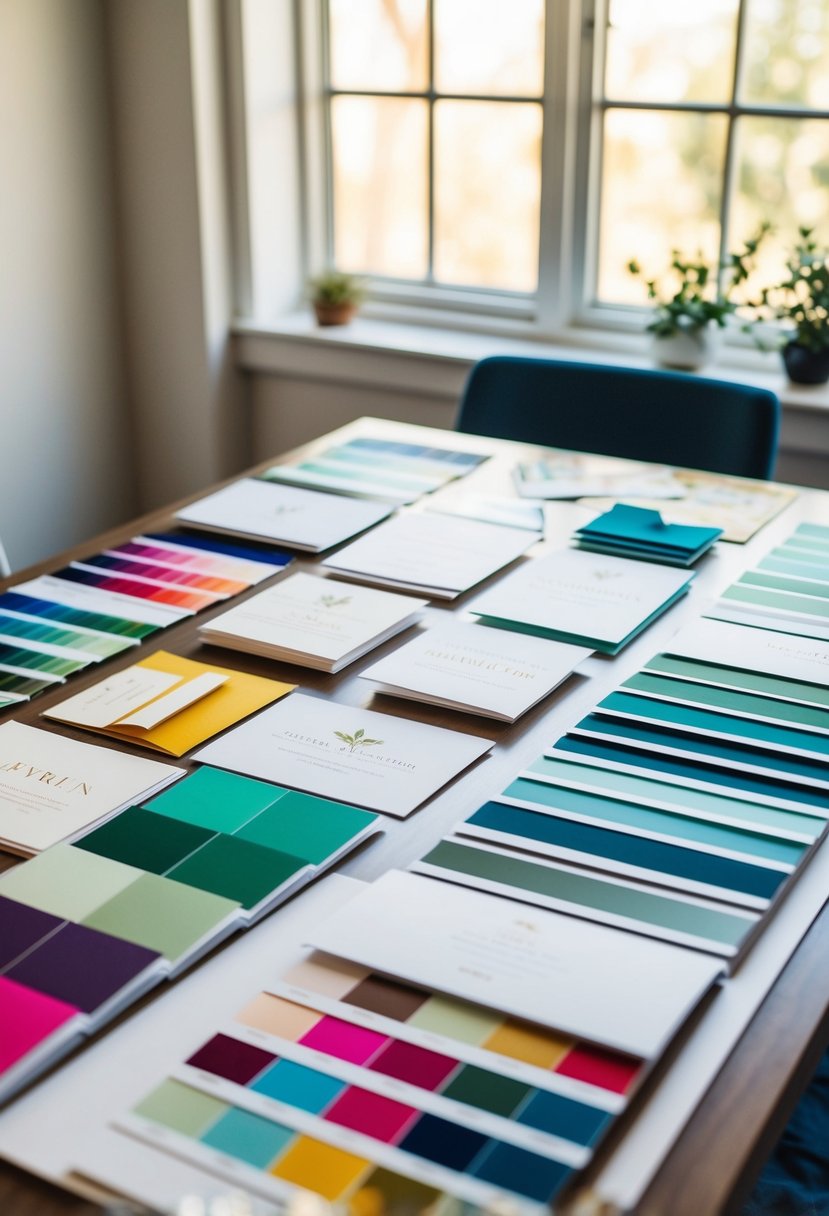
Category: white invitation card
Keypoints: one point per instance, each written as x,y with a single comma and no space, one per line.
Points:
346,753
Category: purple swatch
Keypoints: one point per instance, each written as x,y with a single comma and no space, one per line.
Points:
22,927
82,966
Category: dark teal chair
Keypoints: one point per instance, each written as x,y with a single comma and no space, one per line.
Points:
660,416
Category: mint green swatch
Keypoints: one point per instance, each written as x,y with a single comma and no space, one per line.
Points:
779,582
214,799
584,891
754,681
783,601
754,815
67,882
161,914
736,702
181,1108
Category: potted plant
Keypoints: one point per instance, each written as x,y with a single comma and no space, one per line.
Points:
801,301
335,297
688,323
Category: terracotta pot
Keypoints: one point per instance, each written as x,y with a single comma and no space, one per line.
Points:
804,366
334,314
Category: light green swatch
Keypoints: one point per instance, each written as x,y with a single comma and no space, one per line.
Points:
67,882
779,582
181,1108
161,914
783,601
440,1015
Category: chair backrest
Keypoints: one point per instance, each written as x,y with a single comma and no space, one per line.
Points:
4,562
660,416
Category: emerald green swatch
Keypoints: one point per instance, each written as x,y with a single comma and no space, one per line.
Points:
236,869
306,827
181,1108
487,1090
662,911
161,914
66,881
737,702
213,799
145,840
755,681
601,809
753,815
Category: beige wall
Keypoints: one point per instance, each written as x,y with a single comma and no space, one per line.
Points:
65,469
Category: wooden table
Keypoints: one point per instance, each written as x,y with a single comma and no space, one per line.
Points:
713,1164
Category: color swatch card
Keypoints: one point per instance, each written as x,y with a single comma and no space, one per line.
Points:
640,532
337,751
206,557
431,554
168,703
623,838
599,602
579,891
93,597
720,652
300,519
788,591
52,787
141,897
378,468
364,1090
315,622
59,982
616,989
477,670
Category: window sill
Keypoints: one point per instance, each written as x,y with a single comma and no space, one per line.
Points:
435,362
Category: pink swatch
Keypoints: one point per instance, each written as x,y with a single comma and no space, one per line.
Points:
341,1039
27,1018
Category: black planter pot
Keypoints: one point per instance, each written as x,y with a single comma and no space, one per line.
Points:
806,366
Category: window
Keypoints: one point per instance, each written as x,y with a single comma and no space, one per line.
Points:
497,153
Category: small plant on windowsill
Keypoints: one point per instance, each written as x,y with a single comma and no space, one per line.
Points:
801,301
335,297
687,324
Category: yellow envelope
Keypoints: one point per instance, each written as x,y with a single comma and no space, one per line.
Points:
168,703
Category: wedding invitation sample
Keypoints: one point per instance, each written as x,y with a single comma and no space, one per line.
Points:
617,989
314,622
431,554
570,596
476,669
52,787
168,703
300,519
339,751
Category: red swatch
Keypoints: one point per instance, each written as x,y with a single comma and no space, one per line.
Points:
607,1069
372,1114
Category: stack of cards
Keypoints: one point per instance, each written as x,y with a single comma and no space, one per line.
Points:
314,622
582,475
682,808
598,602
378,468
789,589
477,670
58,624
86,928
376,1076
52,787
301,519
430,554
637,532
339,751
168,703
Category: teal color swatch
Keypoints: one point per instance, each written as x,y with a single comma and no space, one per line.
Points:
737,702
752,681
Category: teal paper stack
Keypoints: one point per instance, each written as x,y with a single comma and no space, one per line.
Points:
641,533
